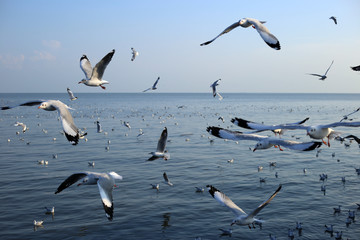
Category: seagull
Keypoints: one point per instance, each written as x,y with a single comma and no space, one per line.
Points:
127,124
356,68
160,150
199,189
105,182
91,164
154,86
134,54
38,223
213,86
337,209
99,130
50,210
329,229
71,95
314,132
226,232
272,237
265,34
338,235
241,217
94,75
71,131
167,179
140,133
345,117
322,77
155,186
334,19
263,142
258,126
24,127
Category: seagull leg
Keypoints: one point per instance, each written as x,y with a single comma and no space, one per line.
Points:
102,87
324,142
249,226
253,225
253,26
328,143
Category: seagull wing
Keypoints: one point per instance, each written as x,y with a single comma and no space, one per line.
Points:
155,83
329,67
162,141
85,66
31,103
67,121
225,201
314,74
265,34
228,29
264,204
147,90
105,188
262,127
100,67
293,145
341,124
233,135
356,68
70,181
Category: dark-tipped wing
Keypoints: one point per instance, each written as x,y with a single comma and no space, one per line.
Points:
293,145
85,66
31,103
314,74
356,68
264,204
155,83
353,137
233,135
224,200
162,141
105,189
228,29
262,127
100,67
70,181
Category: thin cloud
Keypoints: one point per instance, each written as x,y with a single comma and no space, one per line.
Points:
12,62
42,55
53,44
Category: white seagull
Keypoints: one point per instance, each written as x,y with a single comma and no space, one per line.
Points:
265,34
24,127
105,182
315,131
241,217
322,77
154,85
71,131
160,150
167,179
213,86
98,125
334,19
134,54
263,142
94,75
38,223
49,210
71,95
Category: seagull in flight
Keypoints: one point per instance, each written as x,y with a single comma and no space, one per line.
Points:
166,178
241,217
71,95
134,54
160,150
322,77
265,34
213,86
263,142
345,117
24,127
105,182
154,86
334,19
72,133
93,76
320,131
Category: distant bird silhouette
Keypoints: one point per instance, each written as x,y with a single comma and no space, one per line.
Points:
333,18
322,77
356,68
154,85
134,54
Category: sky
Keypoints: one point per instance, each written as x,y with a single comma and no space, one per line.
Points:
42,41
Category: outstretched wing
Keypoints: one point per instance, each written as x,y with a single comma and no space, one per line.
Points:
233,135
265,34
228,29
31,103
329,67
264,204
162,141
341,124
262,127
293,145
314,74
105,190
70,181
155,83
100,67
85,66
224,200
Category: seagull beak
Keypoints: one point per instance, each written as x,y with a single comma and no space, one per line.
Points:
39,107
79,184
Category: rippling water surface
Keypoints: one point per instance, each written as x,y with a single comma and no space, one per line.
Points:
176,212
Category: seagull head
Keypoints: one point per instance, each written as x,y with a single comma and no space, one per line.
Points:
82,81
262,145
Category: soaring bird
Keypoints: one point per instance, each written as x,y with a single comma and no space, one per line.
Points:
153,86
334,19
94,75
265,34
322,77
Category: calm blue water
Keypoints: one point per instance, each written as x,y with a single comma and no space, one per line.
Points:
176,212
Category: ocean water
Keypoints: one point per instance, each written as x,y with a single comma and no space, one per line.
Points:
176,212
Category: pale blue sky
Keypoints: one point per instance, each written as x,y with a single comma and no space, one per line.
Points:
42,41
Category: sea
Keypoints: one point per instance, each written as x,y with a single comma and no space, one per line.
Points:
196,159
